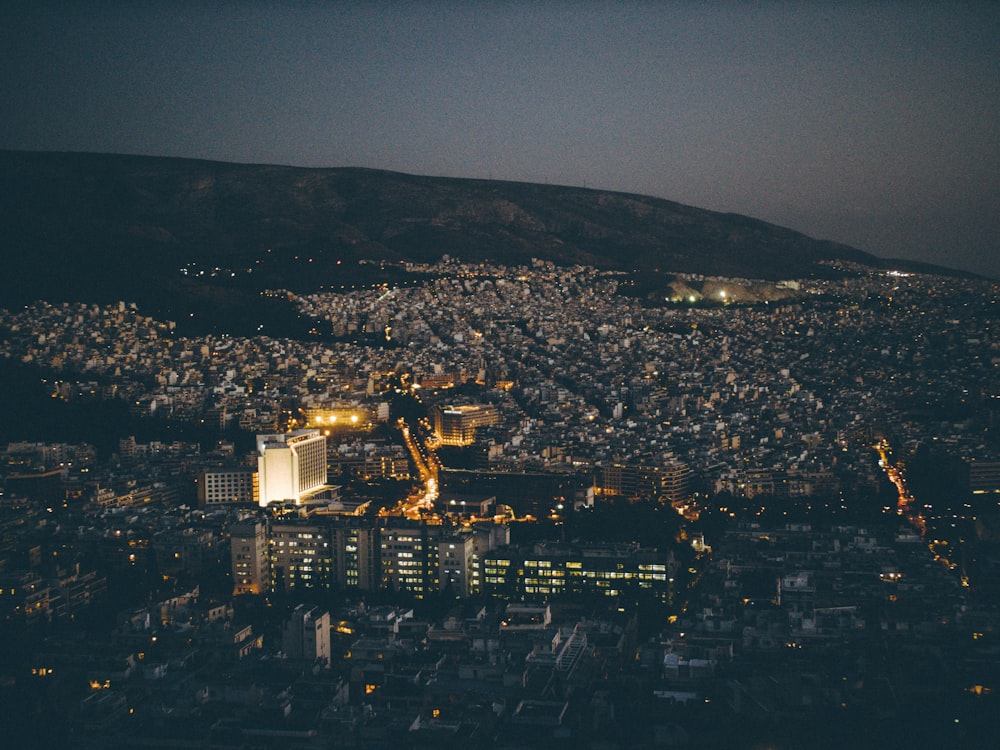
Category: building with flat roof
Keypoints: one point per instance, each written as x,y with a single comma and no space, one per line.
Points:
983,476
250,561
457,425
669,482
306,635
337,552
290,467
217,487
323,553
544,570
456,559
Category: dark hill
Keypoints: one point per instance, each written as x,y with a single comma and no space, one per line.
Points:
107,227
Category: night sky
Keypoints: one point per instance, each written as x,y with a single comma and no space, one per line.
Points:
874,124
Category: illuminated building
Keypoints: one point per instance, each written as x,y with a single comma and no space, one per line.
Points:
409,558
323,553
355,552
457,425
431,381
550,570
455,556
670,482
300,556
25,597
485,538
290,467
983,476
249,559
421,559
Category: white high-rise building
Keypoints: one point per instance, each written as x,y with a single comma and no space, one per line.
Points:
290,467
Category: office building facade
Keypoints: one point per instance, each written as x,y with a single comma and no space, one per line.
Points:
290,467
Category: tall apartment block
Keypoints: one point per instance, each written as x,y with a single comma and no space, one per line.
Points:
323,554
250,559
336,552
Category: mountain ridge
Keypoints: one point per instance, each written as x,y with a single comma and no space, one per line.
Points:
80,226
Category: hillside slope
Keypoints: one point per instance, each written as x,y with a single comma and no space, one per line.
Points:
104,227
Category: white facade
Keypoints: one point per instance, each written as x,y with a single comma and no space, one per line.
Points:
290,467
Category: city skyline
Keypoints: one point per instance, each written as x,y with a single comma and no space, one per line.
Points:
748,522
873,125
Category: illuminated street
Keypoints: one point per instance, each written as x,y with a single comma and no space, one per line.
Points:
427,467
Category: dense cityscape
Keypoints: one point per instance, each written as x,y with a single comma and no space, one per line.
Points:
509,506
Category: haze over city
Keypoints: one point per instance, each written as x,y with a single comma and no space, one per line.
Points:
871,124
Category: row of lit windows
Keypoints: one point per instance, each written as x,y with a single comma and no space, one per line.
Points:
293,543
541,581
554,585
575,569
297,550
